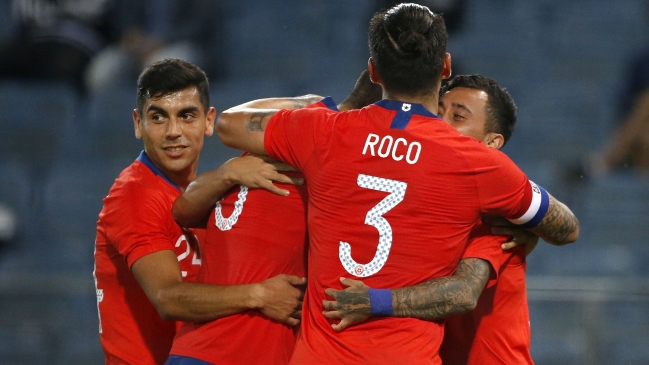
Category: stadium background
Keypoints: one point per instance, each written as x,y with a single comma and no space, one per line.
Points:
563,61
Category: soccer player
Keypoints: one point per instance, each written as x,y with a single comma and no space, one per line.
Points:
251,235
391,172
143,259
497,330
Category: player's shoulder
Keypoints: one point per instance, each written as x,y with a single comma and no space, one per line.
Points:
137,184
136,176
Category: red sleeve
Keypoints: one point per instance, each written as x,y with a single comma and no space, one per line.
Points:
137,222
486,246
505,190
291,135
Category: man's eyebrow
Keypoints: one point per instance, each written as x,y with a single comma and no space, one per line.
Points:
156,109
189,109
461,106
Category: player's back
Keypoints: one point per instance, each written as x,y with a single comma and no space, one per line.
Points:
393,196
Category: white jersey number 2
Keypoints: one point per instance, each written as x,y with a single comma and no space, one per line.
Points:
374,218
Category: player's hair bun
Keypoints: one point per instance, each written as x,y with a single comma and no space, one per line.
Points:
408,27
412,44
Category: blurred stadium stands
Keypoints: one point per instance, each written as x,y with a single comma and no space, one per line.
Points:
563,62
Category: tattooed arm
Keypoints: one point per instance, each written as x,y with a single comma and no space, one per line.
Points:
559,226
243,126
431,300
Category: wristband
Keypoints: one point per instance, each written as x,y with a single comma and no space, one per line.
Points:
380,302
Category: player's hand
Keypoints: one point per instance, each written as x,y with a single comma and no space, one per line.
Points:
351,305
496,221
520,236
278,298
254,172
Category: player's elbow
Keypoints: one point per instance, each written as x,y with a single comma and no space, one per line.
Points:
178,213
574,235
224,129
471,301
166,303
564,237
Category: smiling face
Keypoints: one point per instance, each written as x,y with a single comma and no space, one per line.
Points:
173,128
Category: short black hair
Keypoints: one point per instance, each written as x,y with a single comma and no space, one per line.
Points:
408,46
169,76
500,108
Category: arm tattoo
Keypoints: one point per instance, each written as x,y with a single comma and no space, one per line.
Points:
558,224
353,303
442,297
254,124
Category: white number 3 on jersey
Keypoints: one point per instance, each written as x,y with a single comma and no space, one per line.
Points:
374,218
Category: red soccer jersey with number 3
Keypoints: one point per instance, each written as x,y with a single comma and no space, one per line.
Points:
394,192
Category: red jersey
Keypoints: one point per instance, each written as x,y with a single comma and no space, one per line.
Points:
497,331
252,235
390,172
136,221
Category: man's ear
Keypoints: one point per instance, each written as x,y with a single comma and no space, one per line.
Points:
446,68
494,140
137,122
209,121
374,76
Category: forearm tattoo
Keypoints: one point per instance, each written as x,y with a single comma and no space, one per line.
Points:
558,223
255,122
442,297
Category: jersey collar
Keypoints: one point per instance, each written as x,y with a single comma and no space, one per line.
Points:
404,112
144,158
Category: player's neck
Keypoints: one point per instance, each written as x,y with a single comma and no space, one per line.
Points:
429,101
181,178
